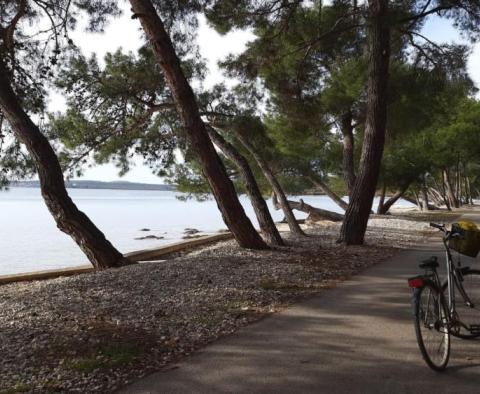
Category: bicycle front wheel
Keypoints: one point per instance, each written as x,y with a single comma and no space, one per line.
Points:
431,328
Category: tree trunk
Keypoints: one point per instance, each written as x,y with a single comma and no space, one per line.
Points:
466,181
436,196
469,191
381,202
410,200
453,201
393,199
417,200
348,163
272,180
315,214
356,217
322,186
423,191
444,194
101,253
264,218
457,181
212,166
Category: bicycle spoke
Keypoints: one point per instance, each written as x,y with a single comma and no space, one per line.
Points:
432,334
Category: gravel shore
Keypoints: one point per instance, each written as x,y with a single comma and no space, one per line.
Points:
96,332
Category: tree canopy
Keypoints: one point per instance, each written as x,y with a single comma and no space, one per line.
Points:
345,97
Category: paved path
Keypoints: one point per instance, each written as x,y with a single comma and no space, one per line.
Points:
356,338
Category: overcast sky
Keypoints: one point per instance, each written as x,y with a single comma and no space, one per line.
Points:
125,33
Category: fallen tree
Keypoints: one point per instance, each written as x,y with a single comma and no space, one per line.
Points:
314,214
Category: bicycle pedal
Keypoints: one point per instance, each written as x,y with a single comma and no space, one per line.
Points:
475,329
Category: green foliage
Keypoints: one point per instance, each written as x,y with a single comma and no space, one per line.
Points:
34,41
33,51
313,80
189,180
459,137
344,87
14,163
118,112
303,76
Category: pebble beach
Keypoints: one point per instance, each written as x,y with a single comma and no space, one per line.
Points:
97,332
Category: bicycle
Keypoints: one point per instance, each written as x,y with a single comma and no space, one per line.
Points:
437,314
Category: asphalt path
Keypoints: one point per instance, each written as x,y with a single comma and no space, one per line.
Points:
355,338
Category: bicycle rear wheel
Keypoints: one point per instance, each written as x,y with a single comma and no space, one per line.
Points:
469,314
432,333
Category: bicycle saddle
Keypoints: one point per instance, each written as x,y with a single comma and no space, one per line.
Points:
432,262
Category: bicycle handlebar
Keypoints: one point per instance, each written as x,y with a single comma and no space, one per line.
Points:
447,234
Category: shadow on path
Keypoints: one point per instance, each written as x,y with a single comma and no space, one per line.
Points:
356,338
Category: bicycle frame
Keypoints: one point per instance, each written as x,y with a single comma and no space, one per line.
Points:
454,280
434,304
450,278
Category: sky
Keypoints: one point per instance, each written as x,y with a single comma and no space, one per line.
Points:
125,33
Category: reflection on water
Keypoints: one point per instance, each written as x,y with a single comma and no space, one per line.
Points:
30,241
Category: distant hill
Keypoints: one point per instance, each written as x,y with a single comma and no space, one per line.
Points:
117,185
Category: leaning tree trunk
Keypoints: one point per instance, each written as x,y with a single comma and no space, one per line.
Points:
452,198
381,201
101,253
195,129
469,191
458,188
417,200
348,163
435,196
443,192
410,200
423,191
272,180
356,217
329,192
267,225
385,207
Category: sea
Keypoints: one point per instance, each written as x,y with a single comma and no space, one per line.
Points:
30,240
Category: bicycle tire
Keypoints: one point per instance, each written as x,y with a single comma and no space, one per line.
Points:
467,315
433,337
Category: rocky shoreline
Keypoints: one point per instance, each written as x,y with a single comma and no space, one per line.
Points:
97,332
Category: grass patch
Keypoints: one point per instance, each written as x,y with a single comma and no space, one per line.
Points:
209,321
18,388
108,356
268,285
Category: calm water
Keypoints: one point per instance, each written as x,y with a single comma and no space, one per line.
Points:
30,241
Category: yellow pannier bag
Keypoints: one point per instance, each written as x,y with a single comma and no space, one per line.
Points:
469,242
